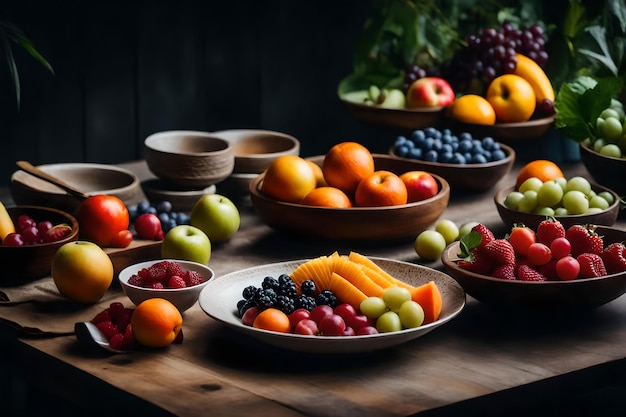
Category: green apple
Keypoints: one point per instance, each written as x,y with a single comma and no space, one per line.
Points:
188,243
215,215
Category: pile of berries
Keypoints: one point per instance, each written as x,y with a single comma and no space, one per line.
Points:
163,210
551,253
165,275
434,145
114,323
281,293
30,232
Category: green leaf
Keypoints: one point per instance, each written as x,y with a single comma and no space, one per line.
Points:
469,242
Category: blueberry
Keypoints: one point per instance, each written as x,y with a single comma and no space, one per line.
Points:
183,218
428,144
488,142
430,132
446,132
447,148
164,217
465,145
415,153
418,135
445,157
431,156
164,207
498,155
437,145
465,136
169,225
132,213
458,159
479,159
400,140
402,150
143,207
151,210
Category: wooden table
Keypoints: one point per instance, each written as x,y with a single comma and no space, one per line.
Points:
484,362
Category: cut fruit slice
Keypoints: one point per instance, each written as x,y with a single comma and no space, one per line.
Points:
345,290
429,297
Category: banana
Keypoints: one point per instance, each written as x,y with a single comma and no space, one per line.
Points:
536,77
6,224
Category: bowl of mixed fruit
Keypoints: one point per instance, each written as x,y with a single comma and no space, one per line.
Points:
31,236
547,268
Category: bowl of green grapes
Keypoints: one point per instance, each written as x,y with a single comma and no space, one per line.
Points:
574,200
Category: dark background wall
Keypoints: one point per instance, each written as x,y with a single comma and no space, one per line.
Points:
124,70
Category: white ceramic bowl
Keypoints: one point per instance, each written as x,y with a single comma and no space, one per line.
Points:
182,298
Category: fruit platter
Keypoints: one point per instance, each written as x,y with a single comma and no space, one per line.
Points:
224,297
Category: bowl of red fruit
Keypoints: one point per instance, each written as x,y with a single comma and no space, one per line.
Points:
31,237
551,268
177,281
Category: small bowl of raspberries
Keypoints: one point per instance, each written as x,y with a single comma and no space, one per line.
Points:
177,281
552,267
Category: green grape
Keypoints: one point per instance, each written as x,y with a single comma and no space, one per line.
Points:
578,183
529,202
466,228
562,181
575,202
610,112
593,210
530,184
373,307
429,244
607,196
544,211
561,211
411,314
598,144
611,150
448,229
550,194
389,322
512,200
611,128
394,297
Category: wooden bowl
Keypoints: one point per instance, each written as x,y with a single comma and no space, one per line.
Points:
398,118
22,264
540,296
156,191
509,216
356,223
187,159
27,189
605,170
474,177
256,149
508,132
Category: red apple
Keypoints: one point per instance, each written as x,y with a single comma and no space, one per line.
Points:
420,185
429,92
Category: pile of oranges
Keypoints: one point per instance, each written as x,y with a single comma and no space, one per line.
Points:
346,178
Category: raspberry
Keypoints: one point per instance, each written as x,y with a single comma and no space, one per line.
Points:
614,257
193,278
116,309
153,273
136,280
117,342
584,239
101,316
528,273
485,234
176,282
591,266
500,251
548,230
504,271
174,268
157,286
107,328
123,319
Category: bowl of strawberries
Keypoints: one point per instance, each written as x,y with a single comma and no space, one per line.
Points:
548,268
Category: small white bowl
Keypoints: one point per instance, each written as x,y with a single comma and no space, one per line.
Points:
182,298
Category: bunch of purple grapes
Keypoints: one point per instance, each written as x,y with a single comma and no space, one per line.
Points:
491,53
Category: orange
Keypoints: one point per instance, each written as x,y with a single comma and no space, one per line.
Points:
319,175
380,189
327,197
156,322
272,319
512,98
288,178
346,164
474,109
541,168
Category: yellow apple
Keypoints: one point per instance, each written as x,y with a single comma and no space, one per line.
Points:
512,98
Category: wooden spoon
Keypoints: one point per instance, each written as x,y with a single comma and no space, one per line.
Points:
33,170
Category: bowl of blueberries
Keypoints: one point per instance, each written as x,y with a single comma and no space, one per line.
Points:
467,162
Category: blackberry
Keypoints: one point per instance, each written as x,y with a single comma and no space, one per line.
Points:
283,279
287,288
269,283
308,287
306,302
327,297
266,298
249,292
243,305
285,304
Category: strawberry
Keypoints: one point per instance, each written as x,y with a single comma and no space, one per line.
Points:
591,265
614,257
528,273
485,234
477,262
548,230
548,270
500,251
504,271
584,239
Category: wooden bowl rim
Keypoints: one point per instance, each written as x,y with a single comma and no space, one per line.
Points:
248,134
226,150
592,152
406,111
72,220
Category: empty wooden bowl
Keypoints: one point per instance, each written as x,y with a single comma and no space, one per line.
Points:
22,264
188,159
472,177
540,296
27,189
256,149
509,216
355,223
605,170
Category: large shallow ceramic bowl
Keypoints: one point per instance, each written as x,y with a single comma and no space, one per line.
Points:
417,118
605,170
219,300
540,296
473,177
27,189
509,216
256,149
508,132
182,298
355,223
21,264
188,159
